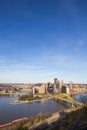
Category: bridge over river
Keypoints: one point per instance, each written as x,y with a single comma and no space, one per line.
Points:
67,98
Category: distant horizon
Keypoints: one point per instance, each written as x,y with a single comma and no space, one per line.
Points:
36,83
43,39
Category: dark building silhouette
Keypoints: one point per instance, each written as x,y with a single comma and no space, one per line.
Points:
63,89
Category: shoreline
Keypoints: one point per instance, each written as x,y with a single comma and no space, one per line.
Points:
78,93
5,94
55,116
24,102
13,122
40,100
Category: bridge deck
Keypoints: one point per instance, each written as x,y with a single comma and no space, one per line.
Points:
67,98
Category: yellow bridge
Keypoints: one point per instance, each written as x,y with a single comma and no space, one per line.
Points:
67,98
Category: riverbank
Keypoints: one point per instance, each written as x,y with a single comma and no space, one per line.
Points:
7,94
40,99
13,124
73,94
62,119
16,124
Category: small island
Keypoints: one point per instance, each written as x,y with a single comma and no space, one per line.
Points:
29,97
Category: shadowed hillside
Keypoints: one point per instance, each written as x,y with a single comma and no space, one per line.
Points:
69,120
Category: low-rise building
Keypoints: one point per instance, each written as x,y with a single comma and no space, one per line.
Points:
2,92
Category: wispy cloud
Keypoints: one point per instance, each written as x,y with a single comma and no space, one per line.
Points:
61,60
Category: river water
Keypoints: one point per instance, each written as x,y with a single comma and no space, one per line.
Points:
10,112
82,98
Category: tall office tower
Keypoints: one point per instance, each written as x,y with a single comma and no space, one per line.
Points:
71,85
55,84
62,83
55,80
59,85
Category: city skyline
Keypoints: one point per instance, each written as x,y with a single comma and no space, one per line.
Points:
43,39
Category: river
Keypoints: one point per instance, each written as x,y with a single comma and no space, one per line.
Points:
10,112
82,98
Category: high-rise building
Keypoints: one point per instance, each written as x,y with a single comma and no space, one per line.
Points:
55,85
71,85
51,88
62,83
55,80
65,89
58,85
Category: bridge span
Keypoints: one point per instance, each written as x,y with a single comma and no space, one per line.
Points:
67,98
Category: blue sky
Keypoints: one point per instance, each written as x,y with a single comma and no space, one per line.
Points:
43,39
